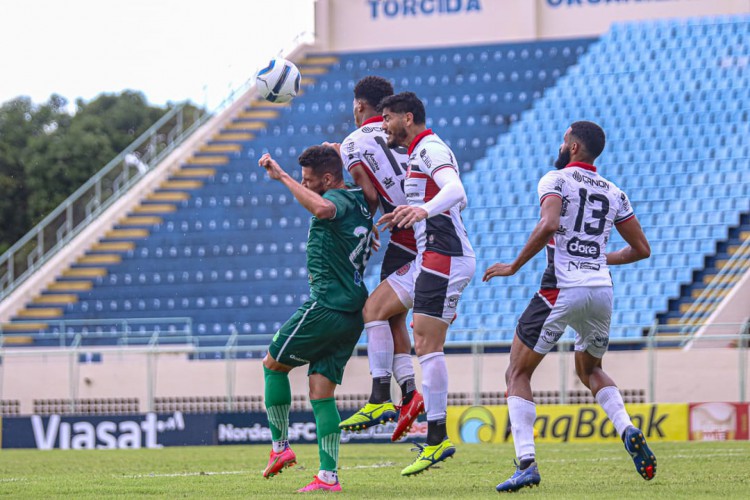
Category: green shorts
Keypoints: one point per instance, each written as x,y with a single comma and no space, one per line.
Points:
320,337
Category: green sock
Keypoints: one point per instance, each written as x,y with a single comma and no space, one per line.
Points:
327,420
278,401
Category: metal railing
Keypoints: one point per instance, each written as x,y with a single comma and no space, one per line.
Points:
114,180
232,346
96,195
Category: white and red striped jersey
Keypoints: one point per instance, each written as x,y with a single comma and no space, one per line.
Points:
591,206
386,168
443,233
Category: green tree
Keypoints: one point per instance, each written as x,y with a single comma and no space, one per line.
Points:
46,153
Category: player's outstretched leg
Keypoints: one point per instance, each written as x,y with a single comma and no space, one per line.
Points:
329,439
278,399
429,456
522,478
643,458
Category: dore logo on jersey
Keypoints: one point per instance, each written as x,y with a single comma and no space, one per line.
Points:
421,8
583,248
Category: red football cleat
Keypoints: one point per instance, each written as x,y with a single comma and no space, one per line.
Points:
317,484
279,461
407,415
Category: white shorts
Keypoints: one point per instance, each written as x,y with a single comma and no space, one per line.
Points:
433,283
588,310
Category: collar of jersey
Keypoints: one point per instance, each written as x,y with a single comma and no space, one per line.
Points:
582,165
372,119
418,138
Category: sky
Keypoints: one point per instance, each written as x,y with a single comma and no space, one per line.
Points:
171,50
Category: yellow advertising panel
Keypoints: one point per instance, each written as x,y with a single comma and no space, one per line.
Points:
566,423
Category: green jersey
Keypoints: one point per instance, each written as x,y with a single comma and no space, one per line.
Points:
338,250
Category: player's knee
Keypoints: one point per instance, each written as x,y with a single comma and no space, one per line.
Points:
373,311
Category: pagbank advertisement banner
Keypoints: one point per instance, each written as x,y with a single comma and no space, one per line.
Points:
383,24
567,423
154,430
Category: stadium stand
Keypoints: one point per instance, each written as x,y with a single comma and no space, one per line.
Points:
675,107
222,247
220,244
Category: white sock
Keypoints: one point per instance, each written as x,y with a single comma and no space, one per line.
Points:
610,399
522,414
328,476
379,348
403,368
434,385
279,446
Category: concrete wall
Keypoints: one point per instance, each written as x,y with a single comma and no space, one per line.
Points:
678,376
352,25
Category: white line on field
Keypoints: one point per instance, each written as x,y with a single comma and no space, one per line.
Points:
229,473
186,474
373,466
12,479
659,456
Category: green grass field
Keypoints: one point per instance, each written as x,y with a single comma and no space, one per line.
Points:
686,470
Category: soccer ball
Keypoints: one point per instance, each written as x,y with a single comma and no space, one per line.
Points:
279,81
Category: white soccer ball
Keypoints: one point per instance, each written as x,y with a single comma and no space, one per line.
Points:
279,81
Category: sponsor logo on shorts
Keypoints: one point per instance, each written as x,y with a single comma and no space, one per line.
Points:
403,269
600,341
453,301
551,336
583,248
297,358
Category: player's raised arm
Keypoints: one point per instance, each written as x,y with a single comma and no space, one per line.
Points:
312,201
543,231
371,194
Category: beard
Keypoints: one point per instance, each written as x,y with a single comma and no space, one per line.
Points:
396,138
562,159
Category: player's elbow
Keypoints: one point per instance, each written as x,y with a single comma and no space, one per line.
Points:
643,251
549,225
324,212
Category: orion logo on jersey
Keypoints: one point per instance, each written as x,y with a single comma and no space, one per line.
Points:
583,248
425,158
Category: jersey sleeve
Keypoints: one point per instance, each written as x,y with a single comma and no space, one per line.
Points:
339,200
624,209
350,153
434,158
551,184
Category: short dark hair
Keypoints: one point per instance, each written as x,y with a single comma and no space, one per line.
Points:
373,89
405,102
323,160
591,135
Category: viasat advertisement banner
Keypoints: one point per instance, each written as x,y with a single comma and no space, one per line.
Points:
153,430
567,423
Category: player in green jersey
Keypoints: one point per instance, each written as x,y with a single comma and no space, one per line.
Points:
325,329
